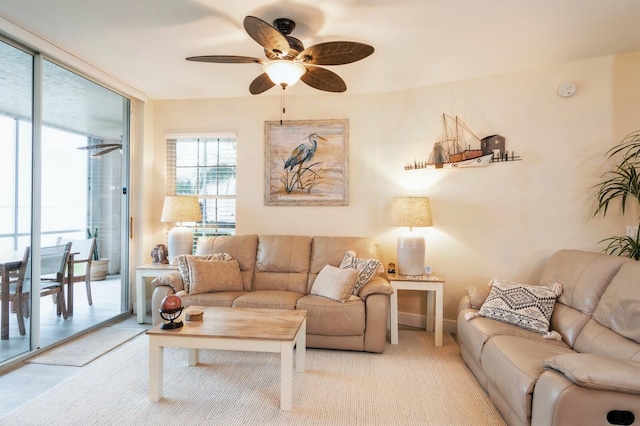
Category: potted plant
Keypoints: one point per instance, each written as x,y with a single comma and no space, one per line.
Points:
622,184
99,266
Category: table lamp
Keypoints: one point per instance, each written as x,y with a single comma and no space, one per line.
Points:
411,212
180,208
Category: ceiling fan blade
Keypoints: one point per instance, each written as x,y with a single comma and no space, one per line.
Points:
335,53
266,36
261,84
101,153
101,145
323,79
225,59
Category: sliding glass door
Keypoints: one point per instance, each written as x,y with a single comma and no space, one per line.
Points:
68,160
16,106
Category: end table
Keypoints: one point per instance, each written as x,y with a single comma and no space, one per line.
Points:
143,271
429,283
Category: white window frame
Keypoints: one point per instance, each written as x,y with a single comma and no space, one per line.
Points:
199,228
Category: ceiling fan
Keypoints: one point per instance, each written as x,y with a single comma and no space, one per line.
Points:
106,148
287,59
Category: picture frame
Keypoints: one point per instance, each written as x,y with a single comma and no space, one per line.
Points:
306,163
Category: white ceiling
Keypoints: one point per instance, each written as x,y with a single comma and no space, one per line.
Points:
418,42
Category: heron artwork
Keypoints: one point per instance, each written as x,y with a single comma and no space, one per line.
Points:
303,153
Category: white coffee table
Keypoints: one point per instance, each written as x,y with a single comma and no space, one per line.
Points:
236,329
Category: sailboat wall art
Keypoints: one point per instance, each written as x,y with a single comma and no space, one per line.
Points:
459,147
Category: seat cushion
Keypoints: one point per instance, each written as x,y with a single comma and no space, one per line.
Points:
332,318
217,299
513,366
268,299
477,332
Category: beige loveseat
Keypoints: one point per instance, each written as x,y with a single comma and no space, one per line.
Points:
591,376
278,271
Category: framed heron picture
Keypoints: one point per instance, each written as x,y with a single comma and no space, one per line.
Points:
306,163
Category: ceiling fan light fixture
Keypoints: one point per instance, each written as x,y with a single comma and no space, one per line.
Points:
284,73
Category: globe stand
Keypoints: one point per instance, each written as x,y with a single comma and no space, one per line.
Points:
171,316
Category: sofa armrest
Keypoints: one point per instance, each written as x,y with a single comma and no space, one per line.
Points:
597,372
173,280
465,303
477,295
376,285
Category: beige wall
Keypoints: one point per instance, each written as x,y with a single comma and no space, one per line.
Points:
500,221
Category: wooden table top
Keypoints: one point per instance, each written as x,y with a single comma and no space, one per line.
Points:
239,323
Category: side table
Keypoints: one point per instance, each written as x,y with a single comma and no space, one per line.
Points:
428,283
142,272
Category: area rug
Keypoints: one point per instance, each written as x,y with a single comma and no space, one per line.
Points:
81,351
413,383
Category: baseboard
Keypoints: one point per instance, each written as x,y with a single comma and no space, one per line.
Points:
420,321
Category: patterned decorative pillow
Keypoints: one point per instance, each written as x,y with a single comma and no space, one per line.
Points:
526,306
208,276
183,265
335,283
366,268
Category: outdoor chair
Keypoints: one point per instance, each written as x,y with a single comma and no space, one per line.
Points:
80,262
53,262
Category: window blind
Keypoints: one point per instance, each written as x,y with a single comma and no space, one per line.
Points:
206,168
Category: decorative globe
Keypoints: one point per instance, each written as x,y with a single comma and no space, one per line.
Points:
170,310
171,303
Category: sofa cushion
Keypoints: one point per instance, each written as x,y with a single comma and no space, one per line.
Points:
513,366
242,248
217,299
282,263
584,277
619,307
183,265
335,283
268,299
366,268
529,307
207,276
331,318
475,334
600,340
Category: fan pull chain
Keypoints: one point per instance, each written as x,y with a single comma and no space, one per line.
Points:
282,106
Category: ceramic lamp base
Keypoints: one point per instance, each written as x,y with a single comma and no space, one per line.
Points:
411,249
179,241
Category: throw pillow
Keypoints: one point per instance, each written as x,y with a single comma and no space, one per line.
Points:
183,265
526,306
208,276
366,268
335,283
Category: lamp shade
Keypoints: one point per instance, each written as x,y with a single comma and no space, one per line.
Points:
411,212
283,72
181,208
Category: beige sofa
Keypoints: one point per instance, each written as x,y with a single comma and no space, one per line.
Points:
591,376
278,271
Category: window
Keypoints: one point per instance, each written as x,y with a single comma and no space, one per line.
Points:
206,167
